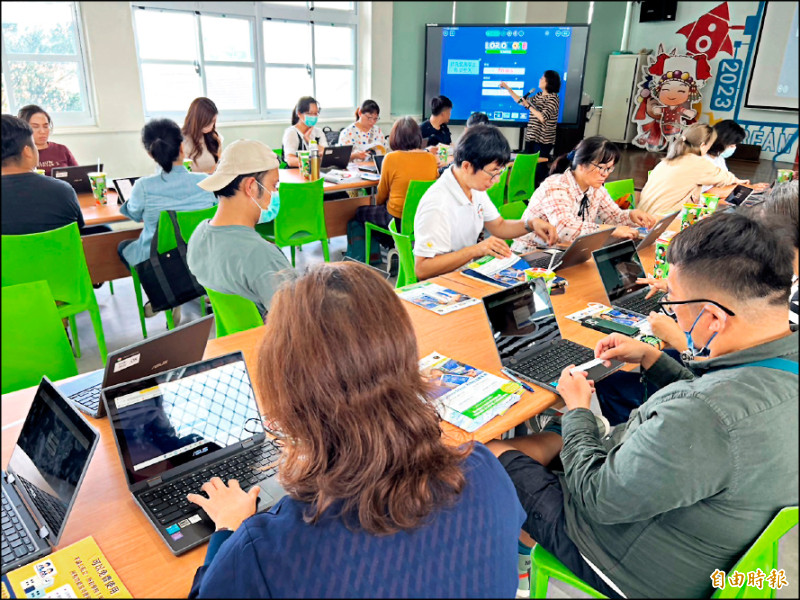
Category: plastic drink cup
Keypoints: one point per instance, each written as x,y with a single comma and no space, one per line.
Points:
187,162
689,214
99,189
711,202
443,154
305,168
39,171
785,175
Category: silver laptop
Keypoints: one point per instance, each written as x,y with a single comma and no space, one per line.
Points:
180,346
650,235
77,177
528,338
178,429
579,251
45,473
619,267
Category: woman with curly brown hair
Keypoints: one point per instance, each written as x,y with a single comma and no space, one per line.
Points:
378,505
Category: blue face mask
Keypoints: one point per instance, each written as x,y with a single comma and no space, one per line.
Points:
692,351
728,152
310,120
268,214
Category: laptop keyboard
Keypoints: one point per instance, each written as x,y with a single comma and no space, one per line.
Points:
16,542
547,366
168,502
640,305
544,261
90,397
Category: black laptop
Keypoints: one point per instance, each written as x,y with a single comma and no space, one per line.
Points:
77,177
579,251
619,267
335,157
528,338
45,472
178,429
180,346
378,160
738,195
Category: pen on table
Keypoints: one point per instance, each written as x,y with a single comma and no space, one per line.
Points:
515,380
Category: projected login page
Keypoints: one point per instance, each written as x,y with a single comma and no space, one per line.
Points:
475,60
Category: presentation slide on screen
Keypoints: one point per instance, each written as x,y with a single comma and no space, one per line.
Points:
468,63
773,76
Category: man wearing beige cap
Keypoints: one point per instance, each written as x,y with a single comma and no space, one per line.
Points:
226,254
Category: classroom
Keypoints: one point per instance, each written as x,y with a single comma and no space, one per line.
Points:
393,299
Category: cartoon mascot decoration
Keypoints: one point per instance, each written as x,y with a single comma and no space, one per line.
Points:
670,87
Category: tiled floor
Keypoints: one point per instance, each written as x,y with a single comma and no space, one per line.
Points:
121,326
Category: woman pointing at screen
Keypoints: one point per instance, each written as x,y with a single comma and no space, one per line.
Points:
540,134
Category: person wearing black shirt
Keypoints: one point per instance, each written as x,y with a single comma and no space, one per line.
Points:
435,130
32,203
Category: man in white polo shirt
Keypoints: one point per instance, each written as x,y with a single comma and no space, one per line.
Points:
454,211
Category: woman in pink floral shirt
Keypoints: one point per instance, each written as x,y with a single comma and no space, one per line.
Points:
364,134
575,200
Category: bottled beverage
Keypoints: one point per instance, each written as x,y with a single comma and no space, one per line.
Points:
313,160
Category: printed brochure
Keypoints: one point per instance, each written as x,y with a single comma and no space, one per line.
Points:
435,298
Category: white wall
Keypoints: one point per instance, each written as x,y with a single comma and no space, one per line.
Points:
114,74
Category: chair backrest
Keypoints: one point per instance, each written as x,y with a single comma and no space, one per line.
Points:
416,190
522,181
34,342
188,220
762,554
402,242
513,210
619,189
497,192
54,256
233,313
301,217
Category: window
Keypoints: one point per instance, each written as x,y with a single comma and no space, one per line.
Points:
43,61
253,60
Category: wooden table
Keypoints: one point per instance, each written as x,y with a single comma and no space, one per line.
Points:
93,214
106,510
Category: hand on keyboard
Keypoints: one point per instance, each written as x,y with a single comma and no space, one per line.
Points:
227,505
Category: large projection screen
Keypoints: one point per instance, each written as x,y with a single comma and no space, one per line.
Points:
773,77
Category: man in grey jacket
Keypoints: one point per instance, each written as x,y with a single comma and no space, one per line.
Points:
701,467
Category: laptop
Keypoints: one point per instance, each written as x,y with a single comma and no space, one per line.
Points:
45,473
579,251
619,267
378,159
335,157
738,195
77,177
653,234
176,430
124,187
528,338
180,346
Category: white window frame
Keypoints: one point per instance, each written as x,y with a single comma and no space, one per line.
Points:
257,13
61,119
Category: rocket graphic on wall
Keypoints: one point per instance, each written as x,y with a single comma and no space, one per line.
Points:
710,34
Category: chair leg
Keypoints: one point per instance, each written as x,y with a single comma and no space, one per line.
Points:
137,287
203,306
326,252
291,249
73,326
97,323
367,243
539,582
111,287
170,320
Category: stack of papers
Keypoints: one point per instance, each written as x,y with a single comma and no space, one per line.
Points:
617,315
435,298
502,272
465,396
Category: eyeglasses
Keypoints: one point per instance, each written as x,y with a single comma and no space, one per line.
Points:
494,175
371,119
665,303
603,170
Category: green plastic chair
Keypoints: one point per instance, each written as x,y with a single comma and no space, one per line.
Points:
497,192
281,163
56,257
618,189
405,274
34,341
188,220
416,190
233,313
301,218
513,210
522,181
762,554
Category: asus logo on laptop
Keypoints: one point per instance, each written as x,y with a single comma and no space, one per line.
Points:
200,451
159,365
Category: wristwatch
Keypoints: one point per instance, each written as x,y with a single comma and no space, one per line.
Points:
527,224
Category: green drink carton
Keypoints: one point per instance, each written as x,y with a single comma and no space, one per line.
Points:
689,214
99,188
187,162
711,203
784,175
661,266
305,165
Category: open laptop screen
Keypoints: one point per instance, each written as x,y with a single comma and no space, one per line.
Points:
167,420
521,318
619,266
52,455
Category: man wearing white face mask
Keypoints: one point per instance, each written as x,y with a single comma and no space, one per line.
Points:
701,467
226,254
